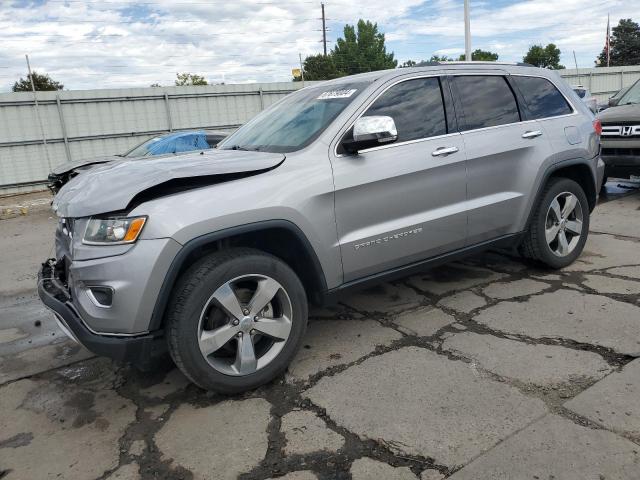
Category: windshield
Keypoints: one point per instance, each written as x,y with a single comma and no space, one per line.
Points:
580,91
143,149
632,95
296,121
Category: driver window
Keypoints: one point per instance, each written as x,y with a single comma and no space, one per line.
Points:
416,107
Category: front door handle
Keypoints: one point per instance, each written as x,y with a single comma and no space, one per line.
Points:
531,134
443,151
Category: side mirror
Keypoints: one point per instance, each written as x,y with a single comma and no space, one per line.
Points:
613,101
371,132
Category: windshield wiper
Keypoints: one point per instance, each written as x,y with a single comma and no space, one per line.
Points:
245,148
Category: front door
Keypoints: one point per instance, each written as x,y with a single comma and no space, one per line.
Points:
399,203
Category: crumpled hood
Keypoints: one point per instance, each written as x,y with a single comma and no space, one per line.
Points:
623,113
111,187
69,166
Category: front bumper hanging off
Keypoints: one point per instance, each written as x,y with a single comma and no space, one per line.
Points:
54,293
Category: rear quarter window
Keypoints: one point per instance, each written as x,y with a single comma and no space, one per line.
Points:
487,101
542,97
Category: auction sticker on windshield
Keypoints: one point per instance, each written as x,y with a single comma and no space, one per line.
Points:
337,94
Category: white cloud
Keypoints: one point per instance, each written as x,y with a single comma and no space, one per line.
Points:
119,43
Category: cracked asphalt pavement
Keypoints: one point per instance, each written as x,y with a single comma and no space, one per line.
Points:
488,368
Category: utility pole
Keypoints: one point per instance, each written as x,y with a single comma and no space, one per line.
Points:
35,101
467,32
324,31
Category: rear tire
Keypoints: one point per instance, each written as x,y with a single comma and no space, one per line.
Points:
236,320
560,225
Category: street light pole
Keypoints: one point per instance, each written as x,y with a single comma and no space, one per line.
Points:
35,102
301,69
467,32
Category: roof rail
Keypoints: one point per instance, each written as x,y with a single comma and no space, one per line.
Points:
472,62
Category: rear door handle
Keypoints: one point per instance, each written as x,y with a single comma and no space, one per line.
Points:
531,134
443,151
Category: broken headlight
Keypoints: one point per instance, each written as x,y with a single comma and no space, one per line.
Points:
113,230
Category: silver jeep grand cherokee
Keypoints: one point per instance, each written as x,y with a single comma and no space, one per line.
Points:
215,256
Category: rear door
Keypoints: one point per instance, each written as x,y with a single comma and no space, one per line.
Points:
504,154
403,202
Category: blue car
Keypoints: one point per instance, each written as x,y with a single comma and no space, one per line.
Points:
168,144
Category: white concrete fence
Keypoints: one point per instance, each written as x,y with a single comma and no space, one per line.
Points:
89,123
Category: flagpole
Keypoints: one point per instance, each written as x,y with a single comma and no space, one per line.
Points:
608,41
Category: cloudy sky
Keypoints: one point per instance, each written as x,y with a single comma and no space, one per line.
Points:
119,43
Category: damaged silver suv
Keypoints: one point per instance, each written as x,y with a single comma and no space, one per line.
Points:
216,255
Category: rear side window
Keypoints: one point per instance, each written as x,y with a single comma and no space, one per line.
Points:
542,97
487,101
416,106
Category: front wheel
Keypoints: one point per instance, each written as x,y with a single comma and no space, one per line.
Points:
236,320
560,225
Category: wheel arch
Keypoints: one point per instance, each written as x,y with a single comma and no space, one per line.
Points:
582,174
577,170
280,238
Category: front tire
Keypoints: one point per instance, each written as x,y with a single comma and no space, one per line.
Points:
236,320
560,225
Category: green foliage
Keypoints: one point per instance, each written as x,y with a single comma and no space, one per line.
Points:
479,55
440,58
544,57
408,64
190,79
624,44
319,67
362,51
42,83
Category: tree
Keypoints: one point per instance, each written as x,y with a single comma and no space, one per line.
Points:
42,83
408,64
544,57
319,67
362,51
190,79
479,55
624,45
439,58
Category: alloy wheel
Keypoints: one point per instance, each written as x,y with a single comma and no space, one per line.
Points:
245,324
563,225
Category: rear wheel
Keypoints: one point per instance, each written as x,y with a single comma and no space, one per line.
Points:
236,320
560,225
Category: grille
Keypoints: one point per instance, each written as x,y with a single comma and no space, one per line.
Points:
620,131
621,152
621,123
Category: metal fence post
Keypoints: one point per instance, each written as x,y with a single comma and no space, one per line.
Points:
63,126
167,107
261,98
